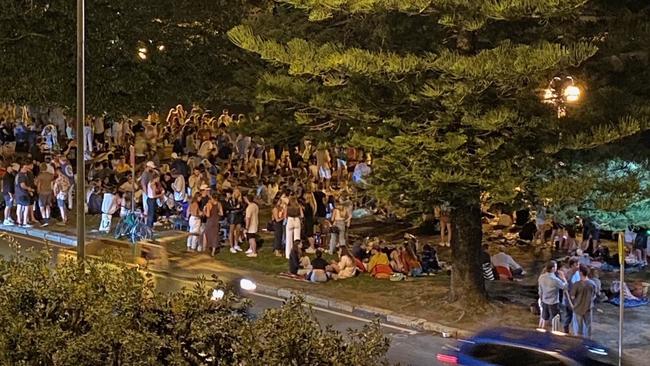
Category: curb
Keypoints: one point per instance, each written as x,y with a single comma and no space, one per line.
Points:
44,235
383,315
367,311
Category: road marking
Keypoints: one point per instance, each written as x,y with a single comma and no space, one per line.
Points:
390,326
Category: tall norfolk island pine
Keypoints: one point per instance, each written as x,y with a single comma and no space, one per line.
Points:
446,93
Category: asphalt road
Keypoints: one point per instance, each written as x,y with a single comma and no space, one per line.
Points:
408,346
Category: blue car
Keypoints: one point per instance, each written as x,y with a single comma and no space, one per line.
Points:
523,347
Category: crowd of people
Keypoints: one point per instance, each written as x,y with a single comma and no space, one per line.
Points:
196,171
569,287
192,170
377,259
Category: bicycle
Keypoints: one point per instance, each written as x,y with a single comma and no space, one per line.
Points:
133,227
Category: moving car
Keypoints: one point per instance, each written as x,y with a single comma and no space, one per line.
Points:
520,347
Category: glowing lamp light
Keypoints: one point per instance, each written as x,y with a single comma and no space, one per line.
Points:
247,285
143,53
572,93
217,294
161,47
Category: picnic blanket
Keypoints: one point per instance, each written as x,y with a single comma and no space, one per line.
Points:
629,303
606,267
293,277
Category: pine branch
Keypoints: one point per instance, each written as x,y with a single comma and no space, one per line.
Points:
506,64
467,14
601,135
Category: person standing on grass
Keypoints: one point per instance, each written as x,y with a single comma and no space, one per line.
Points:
445,224
8,190
194,223
252,223
293,227
278,215
154,191
23,195
551,282
572,276
339,220
145,178
60,189
45,197
583,294
212,234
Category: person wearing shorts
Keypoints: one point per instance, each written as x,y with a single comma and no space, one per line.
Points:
551,282
43,184
8,191
23,195
60,191
251,219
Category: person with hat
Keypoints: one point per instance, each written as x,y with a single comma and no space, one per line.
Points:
8,189
145,178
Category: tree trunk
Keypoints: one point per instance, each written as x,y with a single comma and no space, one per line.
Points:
467,283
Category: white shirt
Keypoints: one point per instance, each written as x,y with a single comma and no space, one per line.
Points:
504,260
252,212
205,149
179,188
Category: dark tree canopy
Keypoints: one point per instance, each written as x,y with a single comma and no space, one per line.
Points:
189,58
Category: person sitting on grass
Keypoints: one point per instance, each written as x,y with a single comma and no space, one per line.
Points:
430,261
359,251
397,261
298,266
505,261
345,267
379,266
318,268
411,262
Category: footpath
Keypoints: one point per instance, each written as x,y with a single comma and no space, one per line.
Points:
416,305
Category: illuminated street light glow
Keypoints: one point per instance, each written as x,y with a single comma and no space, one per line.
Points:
142,55
572,93
560,92
161,48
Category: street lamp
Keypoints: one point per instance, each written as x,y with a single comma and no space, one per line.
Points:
561,92
142,53
80,192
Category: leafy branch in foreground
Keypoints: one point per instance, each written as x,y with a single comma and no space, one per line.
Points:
111,314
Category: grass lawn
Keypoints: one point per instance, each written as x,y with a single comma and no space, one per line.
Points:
424,297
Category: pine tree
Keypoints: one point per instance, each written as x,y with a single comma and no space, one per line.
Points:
445,93
608,183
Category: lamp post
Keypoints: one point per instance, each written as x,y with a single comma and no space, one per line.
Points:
561,92
80,193
621,294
